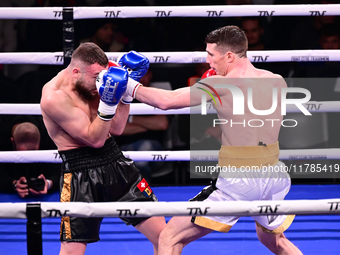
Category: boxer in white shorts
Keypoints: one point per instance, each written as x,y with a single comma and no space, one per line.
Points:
249,144
244,184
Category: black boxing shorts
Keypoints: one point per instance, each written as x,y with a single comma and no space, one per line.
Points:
98,175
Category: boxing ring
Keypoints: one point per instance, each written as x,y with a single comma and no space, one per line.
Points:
316,228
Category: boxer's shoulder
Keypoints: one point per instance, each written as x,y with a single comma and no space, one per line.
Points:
52,97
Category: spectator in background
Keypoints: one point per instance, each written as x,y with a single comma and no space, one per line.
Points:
107,36
306,34
145,133
254,32
29,178
8,35
329,37
8,30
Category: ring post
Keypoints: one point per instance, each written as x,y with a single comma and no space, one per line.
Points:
68,34
33,229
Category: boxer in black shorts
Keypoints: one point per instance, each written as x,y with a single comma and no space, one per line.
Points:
82,106
98,175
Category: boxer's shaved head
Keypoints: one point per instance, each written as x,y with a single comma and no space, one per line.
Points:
25,136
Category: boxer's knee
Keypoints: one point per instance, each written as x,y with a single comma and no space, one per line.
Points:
169,242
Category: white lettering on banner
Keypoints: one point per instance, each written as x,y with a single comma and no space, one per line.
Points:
262,112
199,60
112,14
316,58
294,157
163,13
265,13
159,157
59,58
243,123
161,59
317,13
198,211
113,59
238,123
334,206
58,14
260,58
268,208
238,100
57,213
256,120
214,13
310,58
298,102
289,120
127,212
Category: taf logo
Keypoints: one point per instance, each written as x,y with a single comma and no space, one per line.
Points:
317,13
265,13
204,98
159,157
111,14
198,210
59,58
334,206
268,209
56,155
260,58
163,13
58,14
214,13
159,59
57,213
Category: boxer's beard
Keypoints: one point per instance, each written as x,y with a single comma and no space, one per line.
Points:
84,93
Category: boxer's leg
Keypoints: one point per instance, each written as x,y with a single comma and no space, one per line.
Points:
152,228
179,232
278,244
74,248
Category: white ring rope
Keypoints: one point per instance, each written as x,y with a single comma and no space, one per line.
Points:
52,156
143,109
56,13
205,11
141,209
145,209
185,57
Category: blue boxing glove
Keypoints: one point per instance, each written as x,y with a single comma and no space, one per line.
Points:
111,85
136,64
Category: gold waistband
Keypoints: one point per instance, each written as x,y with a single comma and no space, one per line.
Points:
241,156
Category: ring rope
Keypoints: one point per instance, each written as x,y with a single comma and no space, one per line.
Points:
147,209
52,156
56,13
185,57
242,208
143,109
